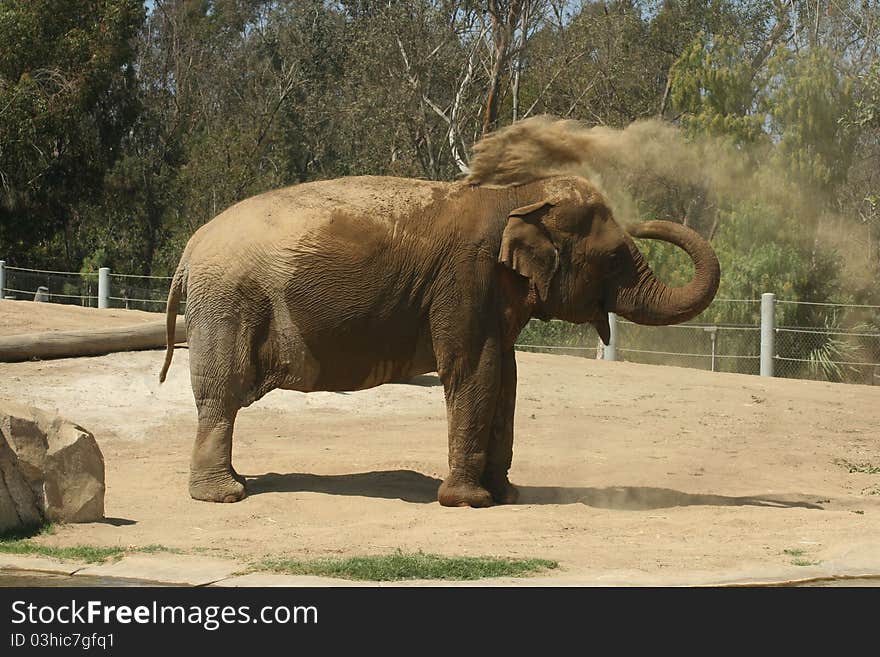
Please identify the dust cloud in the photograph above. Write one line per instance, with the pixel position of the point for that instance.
(631, 164)
(652, 168)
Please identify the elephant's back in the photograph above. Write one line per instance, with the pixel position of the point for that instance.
(273, 234)
(283, 215)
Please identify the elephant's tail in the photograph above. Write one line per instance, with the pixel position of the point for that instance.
(171, 316)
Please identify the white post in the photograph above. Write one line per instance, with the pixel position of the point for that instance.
(713, 336)
(768, 332)
(104, 287)
(2, 278)
(611, 347)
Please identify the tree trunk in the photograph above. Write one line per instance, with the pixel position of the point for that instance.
(67, 344)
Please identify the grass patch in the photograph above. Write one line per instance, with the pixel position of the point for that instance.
(152, 549)
(804, 562)
(400, 566)
(862, 468)
(19, 542)
(798, 560)
(89, 553)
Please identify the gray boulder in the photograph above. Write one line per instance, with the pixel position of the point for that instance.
(51, 469)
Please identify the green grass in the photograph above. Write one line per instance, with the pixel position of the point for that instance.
(400, 566)
(798, 561)
(19, 542)
(804, 562)
(383, 568)
(152, 549)
(89, 553)
(863, 468)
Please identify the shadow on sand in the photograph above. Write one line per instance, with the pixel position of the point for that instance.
(117, 522)
(411, 486)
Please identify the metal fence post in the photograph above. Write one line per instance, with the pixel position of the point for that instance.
(611, 347)
(768, 332)
(2, 278)
(713, 336)
(104, 287)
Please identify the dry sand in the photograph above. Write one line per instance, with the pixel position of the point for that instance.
(626, 471)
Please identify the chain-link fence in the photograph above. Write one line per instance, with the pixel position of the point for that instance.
(828, 342)
(730, 343)
(724, 338)
(825, 342)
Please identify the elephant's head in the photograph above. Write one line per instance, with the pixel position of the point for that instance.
(582, 264)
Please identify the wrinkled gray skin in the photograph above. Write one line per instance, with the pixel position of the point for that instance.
(351, 283)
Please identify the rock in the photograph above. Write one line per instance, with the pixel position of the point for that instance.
(48, 464)
(18, 503)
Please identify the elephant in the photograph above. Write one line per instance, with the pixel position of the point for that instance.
(346, 284)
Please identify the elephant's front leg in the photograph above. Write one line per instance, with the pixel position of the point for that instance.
(500, 450)
(471, 389)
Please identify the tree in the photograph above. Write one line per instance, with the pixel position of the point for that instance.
(66, 103)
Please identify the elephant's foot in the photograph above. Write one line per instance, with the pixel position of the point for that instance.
(503, 492)
(455, 492)
(222, 486)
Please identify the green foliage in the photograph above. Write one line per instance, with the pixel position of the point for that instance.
(865, 111)
(808, 103)
(761, 250)
(714, 84)
(558, 334)
(123, 130)
(66, 88)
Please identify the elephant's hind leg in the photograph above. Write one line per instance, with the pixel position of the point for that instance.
(219, 390)
(212, 477)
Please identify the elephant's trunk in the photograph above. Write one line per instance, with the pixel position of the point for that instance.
(642, 298)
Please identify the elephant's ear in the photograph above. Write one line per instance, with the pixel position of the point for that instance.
(526, 246)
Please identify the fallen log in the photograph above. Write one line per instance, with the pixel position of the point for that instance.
(96, 342)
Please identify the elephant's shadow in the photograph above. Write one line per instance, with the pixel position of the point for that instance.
(411, 486)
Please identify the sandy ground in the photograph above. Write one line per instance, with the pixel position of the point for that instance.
(27, 317)
(625, 470)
